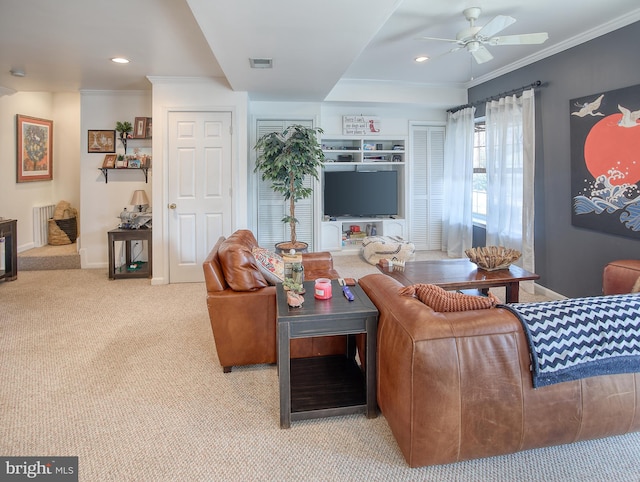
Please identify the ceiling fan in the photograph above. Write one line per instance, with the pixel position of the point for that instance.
(475, 38)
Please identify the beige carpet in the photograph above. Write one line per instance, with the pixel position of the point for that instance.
(125, 376)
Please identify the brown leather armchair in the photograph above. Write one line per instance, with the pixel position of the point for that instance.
(620, 276)
(242, 305)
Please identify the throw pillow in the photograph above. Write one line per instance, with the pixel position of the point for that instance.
(270, 264)
(441, 300)
(239, 266)
(636, 286)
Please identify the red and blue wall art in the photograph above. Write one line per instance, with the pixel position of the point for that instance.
(605, 161)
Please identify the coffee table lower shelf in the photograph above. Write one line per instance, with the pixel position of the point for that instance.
(326, 386)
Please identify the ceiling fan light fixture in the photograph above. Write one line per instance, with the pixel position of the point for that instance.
(474, 38)
(473, 46)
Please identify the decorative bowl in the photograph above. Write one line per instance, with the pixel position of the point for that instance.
(491, 258)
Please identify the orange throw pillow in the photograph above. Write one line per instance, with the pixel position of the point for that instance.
(441, 300)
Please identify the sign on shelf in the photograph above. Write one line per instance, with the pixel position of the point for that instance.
(359, 125)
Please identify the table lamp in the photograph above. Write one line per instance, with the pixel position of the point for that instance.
(139, 199)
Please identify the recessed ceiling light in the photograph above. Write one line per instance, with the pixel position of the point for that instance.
(261, 63)
(422, 58)
(17, 72)
(120, 60)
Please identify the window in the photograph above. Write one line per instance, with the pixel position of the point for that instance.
(479, 209)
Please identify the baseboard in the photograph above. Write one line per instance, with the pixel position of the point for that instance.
(546, 292)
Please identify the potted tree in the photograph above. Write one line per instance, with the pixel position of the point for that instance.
(286, 158)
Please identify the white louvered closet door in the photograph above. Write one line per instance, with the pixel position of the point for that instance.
(426, 188)
(271, 207)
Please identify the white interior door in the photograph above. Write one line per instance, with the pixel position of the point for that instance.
(199, 189)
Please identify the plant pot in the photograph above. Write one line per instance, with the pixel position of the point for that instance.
(285, 247)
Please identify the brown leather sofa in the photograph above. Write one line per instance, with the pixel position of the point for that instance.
(457, 386)
(242, 305)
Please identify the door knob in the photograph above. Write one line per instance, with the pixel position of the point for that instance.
(172, 206)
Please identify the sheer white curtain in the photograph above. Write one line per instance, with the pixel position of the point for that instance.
(510, 124)
(457, 227)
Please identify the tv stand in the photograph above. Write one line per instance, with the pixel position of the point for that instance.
(334, 237)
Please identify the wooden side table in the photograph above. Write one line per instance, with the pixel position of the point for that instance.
(325, 386)
(129, 236)
(8, 230)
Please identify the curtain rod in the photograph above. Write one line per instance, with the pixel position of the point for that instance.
(533, 85)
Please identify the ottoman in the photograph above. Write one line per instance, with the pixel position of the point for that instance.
(375, 248)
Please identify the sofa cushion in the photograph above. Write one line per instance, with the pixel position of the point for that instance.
(441, 300)
(240, 269)
(270, 264)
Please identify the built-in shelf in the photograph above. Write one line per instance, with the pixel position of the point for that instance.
(360, 150)
(338, 235)
(105, 171)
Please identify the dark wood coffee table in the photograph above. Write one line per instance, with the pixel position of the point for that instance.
(326, 385)
(462, 274)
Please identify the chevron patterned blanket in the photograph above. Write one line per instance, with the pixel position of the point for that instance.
(581, 337)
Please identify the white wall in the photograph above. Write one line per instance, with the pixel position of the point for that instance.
(78, 180)
(182, 94)
(101, 203)
(18, 199)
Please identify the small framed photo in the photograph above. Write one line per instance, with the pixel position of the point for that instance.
(109, 161)
(101, 141)
(121, 163)
(134, 164)
(140, 128)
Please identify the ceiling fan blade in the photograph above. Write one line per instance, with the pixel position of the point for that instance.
(522, 39)
(439, 39)
(481, 54)
(495, 25)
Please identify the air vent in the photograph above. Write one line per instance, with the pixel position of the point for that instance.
(261, 63)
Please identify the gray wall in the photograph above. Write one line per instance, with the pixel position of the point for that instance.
(569, 259)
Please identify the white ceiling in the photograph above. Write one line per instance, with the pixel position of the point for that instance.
(66, 45)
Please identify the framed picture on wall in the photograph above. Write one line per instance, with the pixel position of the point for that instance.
(101, 141)
(34, 159)
(605, 172)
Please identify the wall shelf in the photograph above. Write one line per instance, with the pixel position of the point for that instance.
(105, 171)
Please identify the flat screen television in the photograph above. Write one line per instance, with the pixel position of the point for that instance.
(360, 193)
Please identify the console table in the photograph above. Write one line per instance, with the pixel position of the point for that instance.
(8, 230)
(326, 385)
(129, 236)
